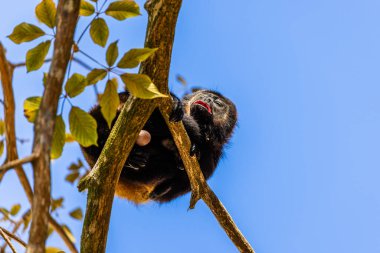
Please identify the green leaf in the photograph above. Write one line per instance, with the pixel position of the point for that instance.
(59, 136)
(86, 8)
(121, 10)
(1, 147)
(68, 233)
(133, 57)
(2, 127)
(75, 85)
(77, 214)
(76, 166)
(25, 32)
(35, 57)
(72, 177)
(140, 85)
(99, 32)
(44, 79)
(83, 127)
(26, 221)
(15, 209)
(46, 12)
(112, 54)
(31, 107)
(56, 203)
(109, 101)
(96, 75)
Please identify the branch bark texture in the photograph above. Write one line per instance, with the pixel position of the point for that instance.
(67, 15)
(103, 177)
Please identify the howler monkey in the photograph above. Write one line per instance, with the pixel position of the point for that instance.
(155, 171)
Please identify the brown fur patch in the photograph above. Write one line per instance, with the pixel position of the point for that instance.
(133, 191)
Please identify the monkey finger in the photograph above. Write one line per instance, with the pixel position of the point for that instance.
(144, 138)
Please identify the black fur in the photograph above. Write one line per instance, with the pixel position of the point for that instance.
(158, 162)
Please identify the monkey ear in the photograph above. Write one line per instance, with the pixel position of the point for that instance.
(195, 89)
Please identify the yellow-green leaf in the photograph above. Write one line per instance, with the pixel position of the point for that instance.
(109, 101)
(140, 85)
(46, 12)
(1, 147)
(44, 79)
(69, 234)
(133, 57)
(27, 217)
(56, 203)
(72, 177)
(83, 127)
(15, 209)
(112, 53)
(76, 166)
(35, 57)
(2, 127)
(59, 136)
(77, 214)
(86, 8)
(53, 250)
(75, 85)
(99, 32)
(31, 107)
(96, 75)
(121, 10)
(25, 32)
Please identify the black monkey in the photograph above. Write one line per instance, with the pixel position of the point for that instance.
(155, 171)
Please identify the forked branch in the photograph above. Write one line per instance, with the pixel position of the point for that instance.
(102, 179)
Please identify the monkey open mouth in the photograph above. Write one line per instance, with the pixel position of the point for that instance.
(204, 105)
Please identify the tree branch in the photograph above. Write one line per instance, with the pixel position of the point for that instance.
(3, 234)
(6, 73)
(14, 237)
(198, 182)
(67, 16)
(102, 179)
(15, 163)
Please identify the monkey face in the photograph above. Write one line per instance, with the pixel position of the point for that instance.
(210, 107)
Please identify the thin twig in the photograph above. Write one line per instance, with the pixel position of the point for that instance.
(93, 59)
(16, 227)
(82, 63)
(2, 233)
(22, 64)
(16, 163)
(14, 237)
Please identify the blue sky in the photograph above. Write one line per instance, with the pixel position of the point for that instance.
(302, 171)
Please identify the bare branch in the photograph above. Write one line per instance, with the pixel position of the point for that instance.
(2, 233)
(102, 179)
(14, 237)
(16, 163)
(6, 72)
(58, 228)
(67, 16)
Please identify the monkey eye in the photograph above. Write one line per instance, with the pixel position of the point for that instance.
(218, 103)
